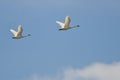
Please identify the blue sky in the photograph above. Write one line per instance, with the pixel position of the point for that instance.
(49, 53)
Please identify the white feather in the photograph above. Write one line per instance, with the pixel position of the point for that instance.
(14, 32)
(61, 24)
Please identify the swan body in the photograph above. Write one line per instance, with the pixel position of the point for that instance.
(66, 24)
(18, 35)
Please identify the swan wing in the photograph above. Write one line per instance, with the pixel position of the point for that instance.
(67, 22)
(14, 32)
(61, 24)
(20, 29)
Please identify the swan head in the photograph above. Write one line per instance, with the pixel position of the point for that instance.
(78, 25)
(28, 34)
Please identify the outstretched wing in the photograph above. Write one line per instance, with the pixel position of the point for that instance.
(20, 29)
(14, 32)
(61, 24)
(67, 21)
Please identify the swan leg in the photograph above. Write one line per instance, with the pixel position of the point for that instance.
(14, 38)
(60, 29)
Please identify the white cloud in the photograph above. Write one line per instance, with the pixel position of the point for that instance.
(97, 71)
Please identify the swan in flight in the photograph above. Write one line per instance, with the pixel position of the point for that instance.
(66, 24)
(18, 35)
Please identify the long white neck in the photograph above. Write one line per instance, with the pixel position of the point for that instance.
(26, 35)
(75, 26)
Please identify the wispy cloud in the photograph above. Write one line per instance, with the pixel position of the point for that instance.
(96, 71)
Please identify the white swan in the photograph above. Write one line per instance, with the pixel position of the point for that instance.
(18, 35)
(66, 24)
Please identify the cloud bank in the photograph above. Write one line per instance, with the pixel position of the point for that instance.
(96, 71)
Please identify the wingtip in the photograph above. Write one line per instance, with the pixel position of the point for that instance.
(20, 25)
(57, 21)
(68, 16)
(11, 29)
